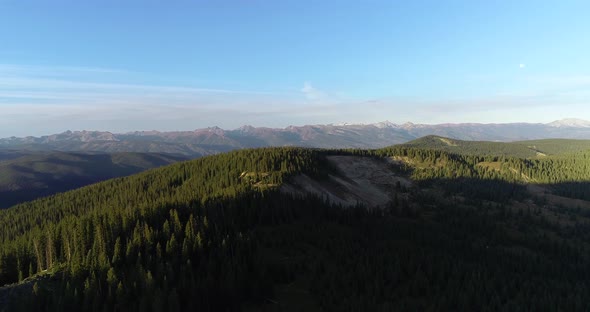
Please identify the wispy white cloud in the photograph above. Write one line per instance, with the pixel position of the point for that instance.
(317, 96)
(54, 70)
(42, 100)
(81, 86)
(38, 100)
(310, 92)
(69, 85)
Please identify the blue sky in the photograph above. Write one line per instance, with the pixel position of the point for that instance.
(181, 65)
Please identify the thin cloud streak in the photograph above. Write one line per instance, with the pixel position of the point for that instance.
(34, 103)
(37, 83)
(82, 86)
(55, 70)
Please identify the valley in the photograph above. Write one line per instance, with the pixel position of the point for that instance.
(27, 175)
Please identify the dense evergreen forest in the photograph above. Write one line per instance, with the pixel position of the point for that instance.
(218, 234)
(522, 149)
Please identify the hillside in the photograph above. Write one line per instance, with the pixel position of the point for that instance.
(557, 146)
(472, 147)
(523, 149)
(25, 176)
(289, 229)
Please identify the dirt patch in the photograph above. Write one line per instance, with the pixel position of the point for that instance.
(365, 180)
(447, 142)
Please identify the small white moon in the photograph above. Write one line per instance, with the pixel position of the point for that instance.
(521, 65)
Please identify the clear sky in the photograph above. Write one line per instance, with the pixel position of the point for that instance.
(181, 65)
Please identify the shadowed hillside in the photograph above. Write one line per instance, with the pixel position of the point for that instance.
(29, 175)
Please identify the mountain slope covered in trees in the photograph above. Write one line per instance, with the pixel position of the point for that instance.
(219, 233)
(522, 149)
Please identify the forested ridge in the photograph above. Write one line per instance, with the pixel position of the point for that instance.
(217, 234)
(521, 149)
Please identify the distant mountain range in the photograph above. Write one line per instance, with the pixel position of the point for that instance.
(214, 140)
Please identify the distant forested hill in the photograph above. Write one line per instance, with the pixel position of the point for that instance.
(26, 175)
(291, 229)
(523, 149)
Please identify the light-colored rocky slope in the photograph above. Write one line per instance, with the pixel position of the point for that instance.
(365, 180)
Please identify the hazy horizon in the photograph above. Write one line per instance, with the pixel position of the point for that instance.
(284, 127)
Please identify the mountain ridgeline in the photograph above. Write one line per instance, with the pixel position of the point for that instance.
(292, 229)
(26, 175)
(215, 140)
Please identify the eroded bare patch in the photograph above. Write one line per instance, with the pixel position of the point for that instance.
(364, 180)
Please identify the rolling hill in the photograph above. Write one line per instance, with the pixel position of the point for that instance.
(291, 229)
(523, 149)
(25, 176)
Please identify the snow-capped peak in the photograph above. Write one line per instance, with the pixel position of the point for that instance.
(570, 123)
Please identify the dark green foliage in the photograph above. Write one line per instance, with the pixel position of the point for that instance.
(479, 148)
(162, 226)
(557, 146)
(521, 149)
(216, 234)
(569, 174)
